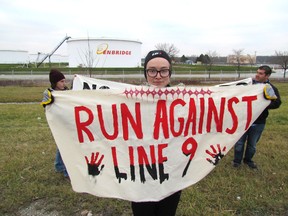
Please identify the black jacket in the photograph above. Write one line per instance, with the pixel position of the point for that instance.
(273, 105)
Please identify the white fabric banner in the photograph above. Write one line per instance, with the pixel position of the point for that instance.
(143, 143)
(247, 81)
(82, 82)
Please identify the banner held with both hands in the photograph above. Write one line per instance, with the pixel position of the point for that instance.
(142, 143)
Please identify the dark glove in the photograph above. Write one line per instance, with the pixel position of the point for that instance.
(47, 97)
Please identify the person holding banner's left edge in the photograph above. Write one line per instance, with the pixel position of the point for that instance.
(157, 71)
(58, 83)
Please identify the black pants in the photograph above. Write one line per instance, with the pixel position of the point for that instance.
(165, 207)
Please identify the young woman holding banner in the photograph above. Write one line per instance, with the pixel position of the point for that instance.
(157, 71)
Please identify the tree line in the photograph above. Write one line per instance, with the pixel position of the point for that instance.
(211, 58)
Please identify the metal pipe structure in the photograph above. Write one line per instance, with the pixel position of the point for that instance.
(54, 50)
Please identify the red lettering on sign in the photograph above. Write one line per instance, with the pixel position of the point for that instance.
(117, 52)
(161, 120)
(135, 124)
(82, 126)
(233, 115)
(191, 119)
(249, 100)
(180, 120)
(212, 111)
(146, 162)
(114, 119)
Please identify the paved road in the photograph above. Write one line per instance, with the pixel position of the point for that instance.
(277, 75)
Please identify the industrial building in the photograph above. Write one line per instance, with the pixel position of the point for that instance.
(23, 57)
(104, 52)
(85, 52)
(14, 57)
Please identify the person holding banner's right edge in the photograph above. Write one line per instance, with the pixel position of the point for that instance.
(157, 71)
(253, 134)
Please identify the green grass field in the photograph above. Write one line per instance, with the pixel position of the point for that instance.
(27, 152)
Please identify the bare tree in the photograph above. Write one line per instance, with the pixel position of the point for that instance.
(251, 59)
(212, 55)
(89, 58)
(170, 49)
(238, 54)
(282, 60)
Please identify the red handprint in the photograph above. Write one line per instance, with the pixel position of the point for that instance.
(93, 165)
(216, 154)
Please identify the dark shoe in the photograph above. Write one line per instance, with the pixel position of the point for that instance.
(251, 165)
(67, 178)
(236, 165)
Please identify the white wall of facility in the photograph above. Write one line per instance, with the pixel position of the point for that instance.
(14, 57)
(55, 58)
(104, 53)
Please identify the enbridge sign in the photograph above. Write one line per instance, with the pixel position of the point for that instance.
(142, 143)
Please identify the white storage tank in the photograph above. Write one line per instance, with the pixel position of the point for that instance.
(104, 52)
(14, 57)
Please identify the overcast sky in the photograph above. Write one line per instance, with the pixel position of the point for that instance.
(193, 26)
